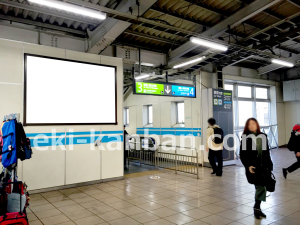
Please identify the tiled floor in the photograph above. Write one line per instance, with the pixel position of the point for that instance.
(172, 199)
(135, 167)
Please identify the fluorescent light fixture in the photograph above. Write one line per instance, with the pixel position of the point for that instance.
(71, 8)
(189, 62)
(283, 63)
(208, 44)
(145, 64)
(142, 76)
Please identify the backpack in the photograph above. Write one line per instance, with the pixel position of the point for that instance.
(9, 151)
(219, 132)
(294, 142)
(23, 143)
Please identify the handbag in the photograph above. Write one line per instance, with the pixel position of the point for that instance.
(271, 182)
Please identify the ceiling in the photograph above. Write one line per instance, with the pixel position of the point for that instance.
(255, 31)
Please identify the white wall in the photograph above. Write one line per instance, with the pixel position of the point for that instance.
(32, 36)
(60, 167)
(163, 114)
(163, 110)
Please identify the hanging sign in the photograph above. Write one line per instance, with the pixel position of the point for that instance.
(165, 89)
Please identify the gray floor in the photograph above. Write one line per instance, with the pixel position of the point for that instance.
(172, 199)
(136, 167)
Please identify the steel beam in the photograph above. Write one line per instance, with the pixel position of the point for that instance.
(151, 37)
(235, 19)
(272, 67)
(47, 11)
(109, 30)
(74, 32)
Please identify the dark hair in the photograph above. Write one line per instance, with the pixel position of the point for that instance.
(124, 126)
(211, 121)
(246, 129)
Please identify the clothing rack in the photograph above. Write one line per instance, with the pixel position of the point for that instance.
(12, 116)
(8, 117)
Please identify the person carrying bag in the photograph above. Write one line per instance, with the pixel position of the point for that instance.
(255, 156)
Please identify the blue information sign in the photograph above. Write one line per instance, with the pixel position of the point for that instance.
(184, 91)
(164, 89)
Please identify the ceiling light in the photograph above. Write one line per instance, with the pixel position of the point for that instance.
(71, 8)
(188, 62)
(208, 44)
(142, 76)
(283, 63)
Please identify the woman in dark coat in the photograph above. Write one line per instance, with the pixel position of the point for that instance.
(255, 156)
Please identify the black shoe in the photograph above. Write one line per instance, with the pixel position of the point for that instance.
(218, 174)
(257, 213)
(262, 214)
(213, 172)
(284, 171)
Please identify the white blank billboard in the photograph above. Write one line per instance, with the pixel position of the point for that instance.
(59, 91)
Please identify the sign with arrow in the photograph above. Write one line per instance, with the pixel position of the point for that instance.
(165, 89)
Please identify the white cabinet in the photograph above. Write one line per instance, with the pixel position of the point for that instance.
(289, 93)
(297, 89)
(291, 90)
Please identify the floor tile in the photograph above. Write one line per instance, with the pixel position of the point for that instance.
(36, 222)
(150, 206)
(70, 208)
(120, 205)
(112, 215)
(89, 220)
(101, 209)
(232, 215)
(164, 212)
(47, 213)
(197, 213)
(251, 220)
(196, 222)
(144, 217)
(213, 208)
(131, 210)
(159, 222)
(79, 214)
(40, 208)
(63, 203)
(179, 219)
(288, 221)
(31, 217)
(214, 219)
(123, 221)
(180, 207)
(93, 203)
(58, 198)
(55, 220)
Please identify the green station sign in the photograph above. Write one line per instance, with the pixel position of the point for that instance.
(164, 89)
(149, 88)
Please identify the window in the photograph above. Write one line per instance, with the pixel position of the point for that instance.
(244, 92)
(261, 93)
(262, 113)
(245, 112)
(180, 112)
(229, 87)
(150, 114)
(251, 101)
(126, 116)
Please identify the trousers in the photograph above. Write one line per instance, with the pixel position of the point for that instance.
(212, 156)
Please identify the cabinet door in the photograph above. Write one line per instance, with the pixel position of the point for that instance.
(289, 93)
(297, 89)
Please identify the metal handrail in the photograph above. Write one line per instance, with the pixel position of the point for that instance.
(184, 163)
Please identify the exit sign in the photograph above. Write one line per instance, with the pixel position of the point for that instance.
(165, 89)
